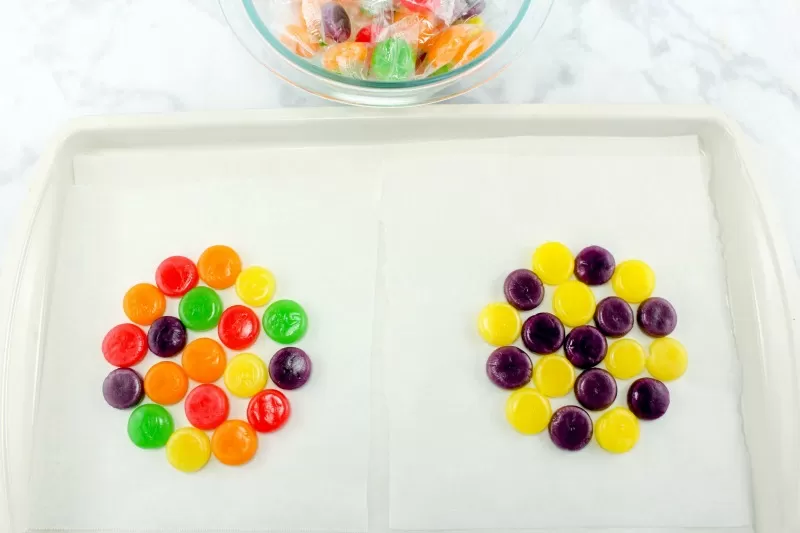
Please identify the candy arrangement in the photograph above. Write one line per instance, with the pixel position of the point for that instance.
(387, 40)
(584, 346)
(204, 360)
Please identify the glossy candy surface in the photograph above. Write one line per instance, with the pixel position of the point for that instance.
(553, 376)
(499, 324)
(613, 317)
(633, 281)
(206, 406)
(648, 398)
(268, 411)
(573, 303)
(219, 266)
(617, 430)
(285, 321)
(625, 359)
(166, 383)
(188, 450)
(255, 285)
(245, 375)
(528, 411)
(143, 303)
(570, 428)
(553, 263)
(204, 360)
(150, 426)
(123, 388)
(667, 359)
(585, 347)
(125, 345)
(176, 275)
(393, 60)
(166, 337)
(335, 23)
(509, 367)
(595, 389)
(543, 333)
(238, 327)
(200, 309)
(523, 290)
(234, 442)
(657, 317)
(594, 265)
(290, 368)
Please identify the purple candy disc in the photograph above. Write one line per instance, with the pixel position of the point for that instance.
(594, 265)
(123, 388)
(543, 333)
(571, 428)
(657, 317)
(509, 367)
(166, 337)
(585, 347)
(596, 389)
(290, 368)
(648, 398)
(523, 289)
(335, 23)
(613, 317)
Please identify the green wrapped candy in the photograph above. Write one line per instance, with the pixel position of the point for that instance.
(393, 60)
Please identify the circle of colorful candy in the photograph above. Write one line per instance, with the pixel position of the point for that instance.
(167, 336)
(613, 317)
(509, 367)
(176, 275)
(571, 428)
(585, 347)
(290, 368)
(123, 388)
(648, 398)
(125, 345)
(523, 289)
(150, 426)
(238, 327)
(203, 360)
(200, 309)
(206, 406)
(285, 321)
(268, 411)
(573, 302)
(401, 39)
(543, 333)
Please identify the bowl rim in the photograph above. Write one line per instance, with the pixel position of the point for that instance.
(337, 79)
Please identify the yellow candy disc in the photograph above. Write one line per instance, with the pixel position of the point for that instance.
(246, 375)
(188, 449)
(553, 376)
(633, 281)
(528, 411)
(625, 359)
(667, 360)
(573, 303)
(617, 431)
(553, 263)
(499, 324)
(255, 285)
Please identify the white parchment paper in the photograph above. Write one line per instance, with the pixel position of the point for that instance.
(453, 231)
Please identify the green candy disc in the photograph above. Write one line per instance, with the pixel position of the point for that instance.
(285, 321)
(200, 309)
(393, 60)
(150, 426)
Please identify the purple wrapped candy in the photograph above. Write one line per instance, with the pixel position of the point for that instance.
(472, 8)
(123, 388)
(594, 265)
(509, 367)
(571, 428)
(523, 289)
(167, 336)
(290, 368)
(585, 347)
(613, 317)
(595, 389)
(335, 23)
(657, 317)
(648, 398)
(543, 333)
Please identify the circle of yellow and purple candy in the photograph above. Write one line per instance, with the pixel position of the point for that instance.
(584, 347)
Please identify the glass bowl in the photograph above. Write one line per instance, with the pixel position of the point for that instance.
(254, 22)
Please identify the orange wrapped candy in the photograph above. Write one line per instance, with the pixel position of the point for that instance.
(349, 58)
(297, 39)
(478, 46)
(449, 46)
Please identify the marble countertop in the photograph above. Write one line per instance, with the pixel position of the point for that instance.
(65, 58)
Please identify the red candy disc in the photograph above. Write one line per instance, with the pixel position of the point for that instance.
(238, 327)
(125, 345)
(364, 35)
(206, 406)
(176, 275)
(268, 410)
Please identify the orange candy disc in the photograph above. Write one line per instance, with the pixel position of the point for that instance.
(204, 360)
(218, 266)
(143, 303)
(166, 383)
(234, 442)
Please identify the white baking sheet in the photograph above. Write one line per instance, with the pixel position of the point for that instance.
(453, 230)
(317, 235)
